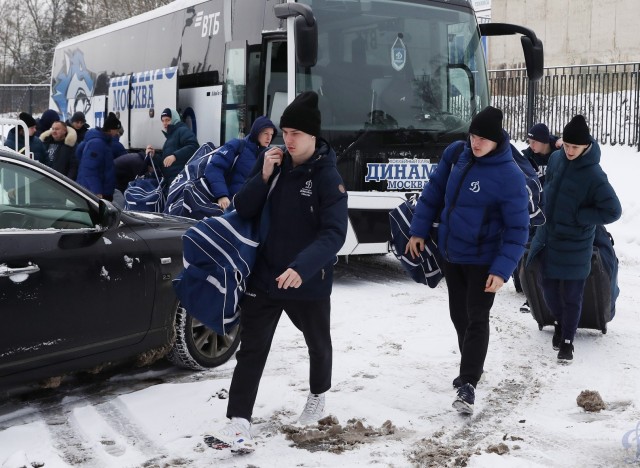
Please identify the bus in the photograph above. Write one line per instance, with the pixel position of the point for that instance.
(398, 80)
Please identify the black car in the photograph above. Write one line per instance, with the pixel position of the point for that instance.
(83, 283)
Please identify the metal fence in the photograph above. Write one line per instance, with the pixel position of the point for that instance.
(607, 95)
(31, 98)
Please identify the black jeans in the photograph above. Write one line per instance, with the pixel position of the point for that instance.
(259, 318)
(469, 308)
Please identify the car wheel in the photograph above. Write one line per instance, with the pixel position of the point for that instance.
(198, 347)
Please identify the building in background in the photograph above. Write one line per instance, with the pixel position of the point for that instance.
(574, 32)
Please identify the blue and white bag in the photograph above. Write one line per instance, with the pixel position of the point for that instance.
(218, 254)
(145, 193)
(426, 268)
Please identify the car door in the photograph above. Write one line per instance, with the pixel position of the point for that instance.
(68, 288)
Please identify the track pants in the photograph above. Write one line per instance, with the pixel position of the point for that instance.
(564, 300)
(258, 320)
(469, 308)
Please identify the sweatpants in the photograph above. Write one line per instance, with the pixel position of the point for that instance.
(469, 308)
(259, 316)
(564, 301)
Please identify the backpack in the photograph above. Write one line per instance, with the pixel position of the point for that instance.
(534, 187)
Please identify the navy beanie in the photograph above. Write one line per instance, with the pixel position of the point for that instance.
(539, 132)
(576, 132)
(166, 113)
(260, 124)
(488, 124)
(303, 114)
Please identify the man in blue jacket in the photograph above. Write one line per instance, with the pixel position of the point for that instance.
(305, 222)
(18, 144)
(578, 196)
(484, 225)
(96, 171)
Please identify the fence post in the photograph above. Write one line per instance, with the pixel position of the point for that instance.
(30, 99)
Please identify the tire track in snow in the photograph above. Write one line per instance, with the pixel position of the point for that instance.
(67, 439)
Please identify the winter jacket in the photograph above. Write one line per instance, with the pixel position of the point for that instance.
(306, 221)
(81, 132)
(225, 174)
(482, 203)
(182, 143)
(96, 171)
(538, 160)
(578, 196)
(60, 155)
(35, 145)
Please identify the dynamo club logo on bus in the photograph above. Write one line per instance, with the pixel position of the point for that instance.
(73, 85)
(401, 174)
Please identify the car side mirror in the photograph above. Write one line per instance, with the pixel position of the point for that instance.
(109, 215)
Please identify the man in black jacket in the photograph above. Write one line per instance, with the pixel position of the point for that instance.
(304, 219)
(60, 144)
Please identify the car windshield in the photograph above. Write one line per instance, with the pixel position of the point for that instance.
(389, 64)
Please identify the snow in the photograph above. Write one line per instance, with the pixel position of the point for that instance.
(395, 355)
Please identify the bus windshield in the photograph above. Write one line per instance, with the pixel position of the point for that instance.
(388, 65)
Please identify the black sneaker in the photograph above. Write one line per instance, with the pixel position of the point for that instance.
(457, 382)
(465, 399)
(565, 355)
(524, 308)
(557, 336)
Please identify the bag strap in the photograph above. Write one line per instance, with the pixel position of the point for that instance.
(155, 172)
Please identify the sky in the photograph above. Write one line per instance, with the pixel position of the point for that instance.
(395, 355)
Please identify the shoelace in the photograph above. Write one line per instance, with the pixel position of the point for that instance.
(312, 404)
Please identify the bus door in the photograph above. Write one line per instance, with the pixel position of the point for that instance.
(201, 108)
(234, 99)
(138, 100)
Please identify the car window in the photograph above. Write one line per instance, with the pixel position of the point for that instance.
(32, 200)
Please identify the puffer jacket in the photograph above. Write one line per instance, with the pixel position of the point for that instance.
(482, 204)
(96, 171)
(225, 174)
(182, 143)
(306, 221)
(62, 157)
(35, 145)
(578, 196)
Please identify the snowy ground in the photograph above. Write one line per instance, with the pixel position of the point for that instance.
(395, 356)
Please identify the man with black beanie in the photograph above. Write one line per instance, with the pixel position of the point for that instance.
(300, 200)
(480, 195)
(578, 196)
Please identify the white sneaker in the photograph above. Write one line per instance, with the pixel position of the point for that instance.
(313, 410)
(236, 435)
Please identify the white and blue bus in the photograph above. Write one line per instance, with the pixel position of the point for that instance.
(398, 81)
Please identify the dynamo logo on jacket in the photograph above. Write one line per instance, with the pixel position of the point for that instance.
(475, 186)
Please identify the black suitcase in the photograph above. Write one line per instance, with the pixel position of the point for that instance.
(597, 307)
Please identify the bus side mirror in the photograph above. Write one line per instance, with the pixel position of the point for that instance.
(531, 45)
(305, 30)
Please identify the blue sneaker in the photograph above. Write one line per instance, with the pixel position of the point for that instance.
(465, 399)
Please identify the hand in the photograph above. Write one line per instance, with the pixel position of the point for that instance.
(272, 158)
(169, 160)
(289, 279)
(150, 151)
(224, 202)
(414, 246)
(493, 284)
(559, 143)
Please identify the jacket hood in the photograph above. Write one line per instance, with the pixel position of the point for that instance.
(46, 120)
(260, 124)
(69, 140)
(173, 126)
(95, 133)
(501, 154)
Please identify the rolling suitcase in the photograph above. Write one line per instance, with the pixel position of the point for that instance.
(600, 293)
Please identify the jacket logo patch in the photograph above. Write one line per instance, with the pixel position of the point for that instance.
(475, 186)
(306, 190)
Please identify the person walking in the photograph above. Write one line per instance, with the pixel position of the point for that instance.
(180, 145)
(96, 171)
(304, 216)
(578, 196)
(484, 224)
(233, 161)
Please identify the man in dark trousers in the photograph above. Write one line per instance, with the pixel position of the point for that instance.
(577, 197)
(304, 218)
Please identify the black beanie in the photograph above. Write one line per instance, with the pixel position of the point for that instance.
(78, 117)
(166, 113)
(27, 119)
(303, 114)
(111, 123)
(488, 124)
(576, 132)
